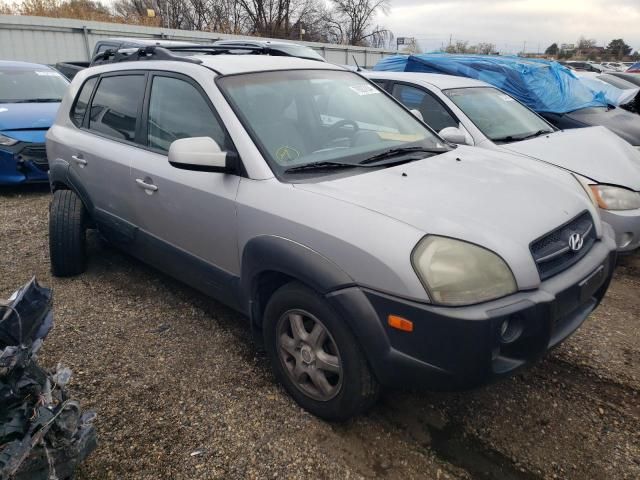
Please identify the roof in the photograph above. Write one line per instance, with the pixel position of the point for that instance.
(441, 81)
(226, 64)
(16, 64)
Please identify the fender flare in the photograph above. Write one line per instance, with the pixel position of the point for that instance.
(270, 253)
(60, 173)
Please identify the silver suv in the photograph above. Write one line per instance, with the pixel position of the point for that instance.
(363, 248)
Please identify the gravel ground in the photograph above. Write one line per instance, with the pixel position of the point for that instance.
(182, 394)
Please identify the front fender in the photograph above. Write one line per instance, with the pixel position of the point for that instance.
(270, 253)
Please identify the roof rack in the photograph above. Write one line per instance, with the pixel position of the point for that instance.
(154, 52)
(151, 52)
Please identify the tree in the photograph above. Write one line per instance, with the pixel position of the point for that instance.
(357, 16)
(618, 48)
(586, 43)
(460, 46)
(485, 48)
(552, 49)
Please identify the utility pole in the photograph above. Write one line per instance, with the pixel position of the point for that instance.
(450, 36)
(524, 48)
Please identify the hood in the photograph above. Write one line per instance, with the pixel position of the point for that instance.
(617, 120)
(593, 152)
(16, 118)
(486, 197)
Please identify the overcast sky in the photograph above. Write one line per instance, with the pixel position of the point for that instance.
(510, 23)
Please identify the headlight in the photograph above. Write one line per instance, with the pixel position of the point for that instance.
(584, 183)
(460, 273)
(7, 141)
(616, 198)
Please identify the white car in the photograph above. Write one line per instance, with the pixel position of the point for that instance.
(471, 112)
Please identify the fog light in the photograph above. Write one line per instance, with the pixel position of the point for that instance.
(510, 330)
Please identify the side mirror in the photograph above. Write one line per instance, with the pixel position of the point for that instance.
(198, 153)
(417, 114)
(453, 135)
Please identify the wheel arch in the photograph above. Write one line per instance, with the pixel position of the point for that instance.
(269, 262)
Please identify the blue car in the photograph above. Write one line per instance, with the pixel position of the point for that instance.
(30, 95)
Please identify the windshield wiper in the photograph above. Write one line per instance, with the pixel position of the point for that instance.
(36, 100)
(394, 152)
(525, 136)
(535, 134)
(324, 165)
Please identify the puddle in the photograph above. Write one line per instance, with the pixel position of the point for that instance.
(467, 452)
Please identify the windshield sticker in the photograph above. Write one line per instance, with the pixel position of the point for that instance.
(286, 154)
(506, 98)
(364, 89)
(45, 73)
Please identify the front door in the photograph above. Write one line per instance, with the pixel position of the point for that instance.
(187, 219)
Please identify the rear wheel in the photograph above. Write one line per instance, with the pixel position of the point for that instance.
(67, 234)
(315, 355)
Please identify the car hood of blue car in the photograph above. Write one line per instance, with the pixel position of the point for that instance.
(27, 122)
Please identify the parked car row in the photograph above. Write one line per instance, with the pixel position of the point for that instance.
(411, 230)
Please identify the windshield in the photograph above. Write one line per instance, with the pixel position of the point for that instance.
(304, 117)
(18, 84)
(497, 115)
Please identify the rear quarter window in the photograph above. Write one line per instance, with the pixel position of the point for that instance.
(82, 101)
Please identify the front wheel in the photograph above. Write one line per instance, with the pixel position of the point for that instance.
(315, 356)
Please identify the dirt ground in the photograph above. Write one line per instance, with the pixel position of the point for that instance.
(181, 393)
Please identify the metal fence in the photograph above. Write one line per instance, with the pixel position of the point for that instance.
(51, 40)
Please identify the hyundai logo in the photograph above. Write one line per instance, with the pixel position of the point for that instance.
(575, 242)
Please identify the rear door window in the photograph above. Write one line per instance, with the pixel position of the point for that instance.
(82, 101)
(115, 106)
(433, 112)
(178, 110)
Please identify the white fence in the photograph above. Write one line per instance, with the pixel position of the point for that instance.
(51, 40)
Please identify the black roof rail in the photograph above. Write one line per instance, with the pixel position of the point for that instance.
(151, 52)
(154, 52)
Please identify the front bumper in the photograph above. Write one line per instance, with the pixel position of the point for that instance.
(626, 225)
(454, 348)
(23, 163)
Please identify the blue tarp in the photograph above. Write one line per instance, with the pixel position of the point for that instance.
(541, 85)
(613, 95)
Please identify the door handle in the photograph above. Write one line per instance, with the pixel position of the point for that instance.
(79, 160)
(149, 187)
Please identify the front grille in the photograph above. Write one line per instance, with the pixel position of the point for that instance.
(36, 154)
(553, 253)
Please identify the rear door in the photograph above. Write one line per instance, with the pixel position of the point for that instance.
(187, 218)
(100, 153)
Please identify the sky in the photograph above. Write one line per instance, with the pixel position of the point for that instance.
(510, 23)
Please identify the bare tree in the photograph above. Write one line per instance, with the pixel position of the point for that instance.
(461, 46)
(486, 48)
(357, 17)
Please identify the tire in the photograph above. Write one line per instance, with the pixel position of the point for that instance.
(342, 394)
(67, 234)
